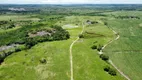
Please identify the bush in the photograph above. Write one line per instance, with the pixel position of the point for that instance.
(67, 35)
(42, 60)
(81, 36)
(94, 47)
(4, 55)
(110, 71)
(11, 26)
(104, 57)
(107, 68)
(9, 53)
(20, 42)
(105, 23)
(94, 22)
(30, 42)
(17, 49)
(99, 48)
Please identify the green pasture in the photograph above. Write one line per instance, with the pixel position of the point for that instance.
(126, 51)
(26, 65)
(18, 18)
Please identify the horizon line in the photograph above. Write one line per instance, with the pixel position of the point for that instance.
(65, 3)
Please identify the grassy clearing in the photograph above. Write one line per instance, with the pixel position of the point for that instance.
(68, 26)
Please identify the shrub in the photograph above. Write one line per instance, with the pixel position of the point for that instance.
(104, 57)
(30, 42)
(105, 23)
(99, 48)
(81, 36)
(9, 53)
(20, 42)
(11, 26)
(4, 55)
(106, 68)
(42, 60)
(67, 35)
(17, 49)
(94, 22)
(88, 21)
(110, 71)
(94, 47)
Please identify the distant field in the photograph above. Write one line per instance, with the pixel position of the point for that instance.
(17, 17)
(126, 13)
(17, 20)
(126, 52)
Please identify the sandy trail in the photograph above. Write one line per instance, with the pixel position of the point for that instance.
(119, 70)
(101, 52)
(71, 57)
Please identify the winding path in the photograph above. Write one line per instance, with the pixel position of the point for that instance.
(101, 52)
(71, 57)
(119, 70)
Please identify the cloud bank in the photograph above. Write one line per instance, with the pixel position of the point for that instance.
(71, 1)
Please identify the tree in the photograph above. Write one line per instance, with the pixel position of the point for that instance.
(105, 23)
(81, 36)
(94, 22)
(17, 49)
(104, 57)
(99, 48)
(112, 72)
(11, 26)
(30, 42)
(94, 47)
(67, 35)
(106, 68)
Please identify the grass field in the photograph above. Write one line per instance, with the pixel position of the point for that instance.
(18, 18)
(126, 52)
(41, 42)
(87, 64)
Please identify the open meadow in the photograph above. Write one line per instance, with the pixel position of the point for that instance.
(126, 52)
(71, 42)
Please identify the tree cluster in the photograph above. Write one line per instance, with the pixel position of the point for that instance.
(104, 57)
(110, 71)
(59, 34)
(99, 47)
(127, 17)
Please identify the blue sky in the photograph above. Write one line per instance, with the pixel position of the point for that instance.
(70, 1)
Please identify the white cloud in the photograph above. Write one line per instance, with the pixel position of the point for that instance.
(67, 1)
(90, 1)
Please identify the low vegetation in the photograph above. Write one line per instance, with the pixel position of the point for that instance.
(43, 34)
